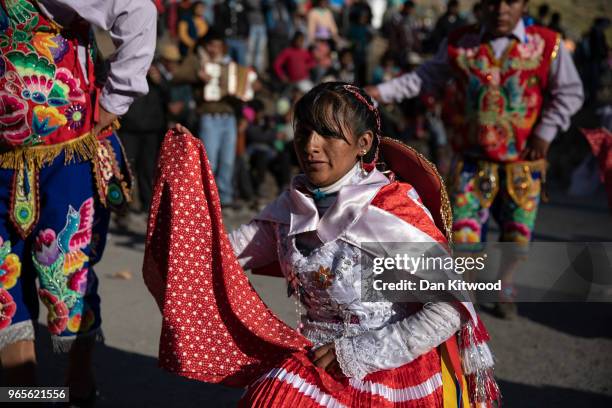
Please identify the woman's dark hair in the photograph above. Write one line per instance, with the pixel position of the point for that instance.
(338, 110)
(195, 5)
(298, 35)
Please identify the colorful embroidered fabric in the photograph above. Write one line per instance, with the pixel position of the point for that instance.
(510, 193)
(63, 243)
(45, 97)
(494, 103)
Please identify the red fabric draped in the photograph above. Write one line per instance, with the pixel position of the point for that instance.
(216, 328)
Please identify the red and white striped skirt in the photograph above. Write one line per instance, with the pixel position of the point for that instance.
(296, 383)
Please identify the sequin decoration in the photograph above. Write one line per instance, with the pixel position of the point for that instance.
(324, 277)
(24, 202)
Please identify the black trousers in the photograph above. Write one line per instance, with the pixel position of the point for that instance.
(141, 149)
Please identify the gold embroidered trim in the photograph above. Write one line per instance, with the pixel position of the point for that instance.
(520, 183)
(446, 211)
(80, 149)
(555, 50)
(486, 183)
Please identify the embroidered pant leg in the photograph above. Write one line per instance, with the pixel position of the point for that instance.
(517, 220)
(18, 301)
(62, 247)
(470, 217)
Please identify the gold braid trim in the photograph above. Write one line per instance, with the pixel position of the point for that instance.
(446, 211)
(80, 149)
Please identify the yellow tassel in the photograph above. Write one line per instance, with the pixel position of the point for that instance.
(80, 149)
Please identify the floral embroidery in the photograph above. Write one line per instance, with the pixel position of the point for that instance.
(13, 118)
(80, 321)
(76, 116)
(21, 10)
(8, 308)
(42, 83)
(46, 120)
(22, 20)
(78, 281)
(10, 266)
(57, 319)
(43, 43)
(69, 85)
(531, 52)
(36, 74)
(60, 48)
(500, 97)
(46, 247)
(466, 231)
(59, 259)
(30, 47)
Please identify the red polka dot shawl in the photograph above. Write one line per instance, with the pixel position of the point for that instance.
(216, 328)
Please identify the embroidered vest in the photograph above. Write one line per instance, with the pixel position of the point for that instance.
(494, 103)
(45, 97)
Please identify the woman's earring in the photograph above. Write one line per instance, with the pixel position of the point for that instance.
(363, 170)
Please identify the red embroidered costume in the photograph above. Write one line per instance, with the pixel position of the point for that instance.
(217, 329)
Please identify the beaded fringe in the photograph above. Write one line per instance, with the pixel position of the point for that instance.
(80, 149)
(16, 332)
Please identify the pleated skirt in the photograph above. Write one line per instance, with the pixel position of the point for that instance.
(297, 383)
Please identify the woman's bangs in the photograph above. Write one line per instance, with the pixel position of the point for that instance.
(324, 114)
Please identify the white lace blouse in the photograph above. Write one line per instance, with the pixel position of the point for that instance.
(368, 336)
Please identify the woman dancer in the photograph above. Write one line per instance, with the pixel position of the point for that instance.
(360, 353)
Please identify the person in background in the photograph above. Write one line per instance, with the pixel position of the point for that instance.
(142, 130)
(543, 11)
(447, 23)
(257, 43)
(294, 63)
(321, 23)
(181, 105)
(325, 61)
(217, 115)
(192, 27)
(280, 27)
(262, 149)
(476, 16)
(360, 34)
(501, 147)
(386, 70)
(346, 71)
(231, 19)
(401, 31)
(555, 23)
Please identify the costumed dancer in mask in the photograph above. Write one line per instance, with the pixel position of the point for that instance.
(510, 89)
(360, 353)
(61, 169)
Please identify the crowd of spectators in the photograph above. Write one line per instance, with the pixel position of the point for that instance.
(291, 45)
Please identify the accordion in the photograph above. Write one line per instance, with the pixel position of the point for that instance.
(228, 80)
